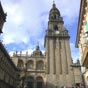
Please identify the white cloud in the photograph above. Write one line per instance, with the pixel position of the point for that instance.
(27, 20)
(75, 52)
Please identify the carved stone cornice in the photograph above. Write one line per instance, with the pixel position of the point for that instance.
(83, 4)
(60, 37)
(85, 56)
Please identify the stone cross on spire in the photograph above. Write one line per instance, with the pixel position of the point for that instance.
(53, 2)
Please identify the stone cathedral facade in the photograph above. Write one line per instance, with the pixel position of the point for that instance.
(55, 68)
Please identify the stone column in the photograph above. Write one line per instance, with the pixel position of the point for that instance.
(54, 57)
(47, 56)
(51, 51)
(58, 58)
(63, 57)
(69, 61)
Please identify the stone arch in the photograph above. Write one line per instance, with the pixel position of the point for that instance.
(39, 82)
(55, 27)
(40, 65)
(20, 64)
(30, 82)
(30, 64)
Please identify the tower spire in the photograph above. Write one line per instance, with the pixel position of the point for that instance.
(54, 4)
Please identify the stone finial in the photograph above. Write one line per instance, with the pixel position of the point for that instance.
(16, 53)
(26, 53)
(20, 53)
(13, 53)
(78, 62)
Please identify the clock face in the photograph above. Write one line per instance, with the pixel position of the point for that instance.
(57, 32)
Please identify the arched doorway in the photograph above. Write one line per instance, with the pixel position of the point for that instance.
(30, 82)
(39, 82)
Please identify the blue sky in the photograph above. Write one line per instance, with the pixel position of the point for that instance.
(27, 21)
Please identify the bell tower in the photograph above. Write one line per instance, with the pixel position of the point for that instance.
(55, 19)
(58, 55)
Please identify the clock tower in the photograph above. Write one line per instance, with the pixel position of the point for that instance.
(58, 54)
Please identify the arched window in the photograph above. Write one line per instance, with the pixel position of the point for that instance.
(55, 27)
(40, 65)
(40, 83)
(30, 82)
(30, 64)
(20, 64)
(54, 16)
